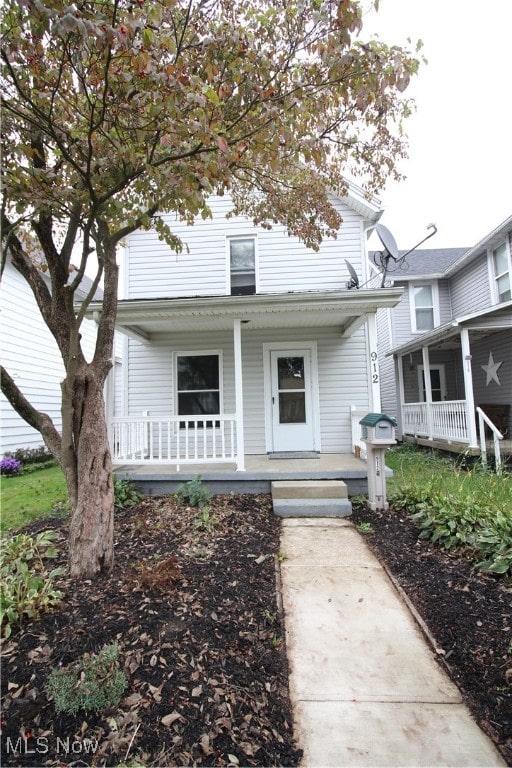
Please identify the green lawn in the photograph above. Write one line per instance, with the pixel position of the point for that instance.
(27, 497)
(422, 469)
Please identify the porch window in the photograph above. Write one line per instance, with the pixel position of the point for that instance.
(423, 308)
(198, 385)
(242, 265)
(502, 272)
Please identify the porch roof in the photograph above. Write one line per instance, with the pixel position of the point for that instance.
(483, 323)
(345, 309)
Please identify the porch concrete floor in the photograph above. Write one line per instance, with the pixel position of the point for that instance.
(326, 462)
(259, 472)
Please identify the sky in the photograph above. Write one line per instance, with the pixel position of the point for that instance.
(459, 169)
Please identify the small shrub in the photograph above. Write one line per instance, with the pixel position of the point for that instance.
(364, 527)
(126, 494)
(10, 466)
(162, 576)
(93, 683)
(26, 590)
(194, 493)
(39, 455)
(204, 520)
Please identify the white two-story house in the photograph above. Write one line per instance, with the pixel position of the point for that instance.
(247, 346)
(446, 349)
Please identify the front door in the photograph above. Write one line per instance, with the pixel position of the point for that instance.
(291, 392)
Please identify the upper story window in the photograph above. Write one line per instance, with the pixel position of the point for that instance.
(198, 379)
(424, 307)
(502, 272)
(242, 265)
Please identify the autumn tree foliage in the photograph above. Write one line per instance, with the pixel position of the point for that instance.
(116, 110)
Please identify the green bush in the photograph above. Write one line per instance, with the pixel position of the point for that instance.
(26, 590)
(194, 493)
(39, 455)
(93, 683)
(204, 520)
(126, 494)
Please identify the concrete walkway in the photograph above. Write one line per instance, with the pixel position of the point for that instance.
(365, 687)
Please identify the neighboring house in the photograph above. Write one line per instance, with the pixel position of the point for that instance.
(446, 349)
(31, 356)
(247, 344)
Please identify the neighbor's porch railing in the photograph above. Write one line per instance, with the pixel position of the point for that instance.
(446, 420)
(483, 419)
(175, 440)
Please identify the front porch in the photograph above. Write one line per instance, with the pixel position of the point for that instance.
(260, 472)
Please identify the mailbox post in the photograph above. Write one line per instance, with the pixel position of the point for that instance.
(378, 432)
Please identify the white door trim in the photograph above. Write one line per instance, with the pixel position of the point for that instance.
(442, 379)
(288, 346)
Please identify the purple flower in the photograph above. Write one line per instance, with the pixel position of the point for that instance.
(9, 466)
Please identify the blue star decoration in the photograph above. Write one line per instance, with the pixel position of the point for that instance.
(491, 370)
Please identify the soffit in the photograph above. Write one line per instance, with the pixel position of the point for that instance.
(294, 310)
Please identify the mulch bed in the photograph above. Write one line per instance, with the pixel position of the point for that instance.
(196, 617)
(468, 615)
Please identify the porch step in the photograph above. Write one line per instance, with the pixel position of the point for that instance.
(310, 498)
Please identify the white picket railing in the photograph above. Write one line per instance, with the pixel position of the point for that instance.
(174, 440)
(446, 420)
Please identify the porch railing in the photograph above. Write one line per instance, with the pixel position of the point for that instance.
(446, 420)
(483, 419)
(174, 440)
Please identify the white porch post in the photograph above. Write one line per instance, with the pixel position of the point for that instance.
(428, 390)
(401, 391)
(109, 394)
(239, 396)
(373, 364)
(468, 387)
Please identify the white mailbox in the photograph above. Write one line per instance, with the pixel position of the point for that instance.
(378, 432)
(378, 428)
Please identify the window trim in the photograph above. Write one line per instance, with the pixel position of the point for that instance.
(241, 236)
(197, 353)
(492, 269)
(435, 304)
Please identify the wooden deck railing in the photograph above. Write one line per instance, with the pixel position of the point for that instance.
(174, 440)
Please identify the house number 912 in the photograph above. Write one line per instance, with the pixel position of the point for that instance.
(375, 373)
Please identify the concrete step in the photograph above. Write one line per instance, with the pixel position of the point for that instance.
(310, 498)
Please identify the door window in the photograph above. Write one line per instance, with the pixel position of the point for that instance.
(291, 385)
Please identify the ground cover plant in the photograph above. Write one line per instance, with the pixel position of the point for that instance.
(463, 508)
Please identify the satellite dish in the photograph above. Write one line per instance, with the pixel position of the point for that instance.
(388, 241)
(354, 280)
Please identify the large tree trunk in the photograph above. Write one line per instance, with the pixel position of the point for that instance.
(91, 534)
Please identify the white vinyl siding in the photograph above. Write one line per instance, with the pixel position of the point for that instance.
(469, 288)
(342, 369)
(31, 356)
(153, 270)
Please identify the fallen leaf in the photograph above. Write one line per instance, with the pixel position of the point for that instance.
(171, 718)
